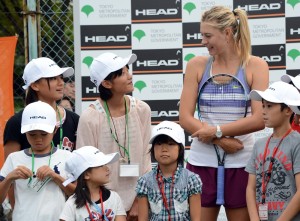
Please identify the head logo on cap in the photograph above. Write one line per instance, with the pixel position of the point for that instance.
(170, 129)
(43, 68)
(38, 116)
(279, 92)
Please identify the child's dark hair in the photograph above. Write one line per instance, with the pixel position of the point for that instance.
(106, 94)
(31, 95)
(82, 193)
(165, 139)
(282, 107)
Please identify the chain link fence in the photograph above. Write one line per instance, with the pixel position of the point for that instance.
(55, 37)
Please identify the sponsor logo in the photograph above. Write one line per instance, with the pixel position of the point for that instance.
(37, 117)
(171, 113)
(293, 3)
(258, 8)
(189, 7)
(140, 85)
(139, 34)
(87, 9)
(273, 54)
(87, 61)
(191, 34)
(103, 36)
(158, 61)
(292, 29)
(294, 54)
(155, 11)
(151, 12)
(189, 57)
(120, 38)
(89, 89)
(164, 110)
(273, 58)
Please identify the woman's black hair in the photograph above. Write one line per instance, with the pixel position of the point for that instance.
(166, 139)
(82, 193)
(31, 95)
(106, 94)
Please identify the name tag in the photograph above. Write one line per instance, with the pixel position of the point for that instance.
(37, 184)
(263, 211)
(129, 170)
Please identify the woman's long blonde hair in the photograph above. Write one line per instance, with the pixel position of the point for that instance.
(221, 17)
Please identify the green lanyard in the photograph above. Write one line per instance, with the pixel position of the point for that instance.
(60, 129)
(115, 135)
(32, 163)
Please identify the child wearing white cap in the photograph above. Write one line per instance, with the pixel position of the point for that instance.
(169, 191)
(44, 81)
(91, 200)
(273, 190)
(37, 173)
(295, 81)
(117, 122)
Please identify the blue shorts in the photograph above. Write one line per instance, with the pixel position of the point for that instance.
(236, 180)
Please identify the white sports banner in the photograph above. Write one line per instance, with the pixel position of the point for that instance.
(165, 36)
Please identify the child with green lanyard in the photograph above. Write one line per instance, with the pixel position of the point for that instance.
(117, 122)
(44, 81)
(37, 173)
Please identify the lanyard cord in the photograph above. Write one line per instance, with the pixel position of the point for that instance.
(161, 185)
(265, 180)
(115, 135)
(32, 162)
(60, 128)
(101, 211)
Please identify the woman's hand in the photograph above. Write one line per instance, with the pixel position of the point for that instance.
(206, 133)
(229, 144)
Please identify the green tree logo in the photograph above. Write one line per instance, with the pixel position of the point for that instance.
(293, 3)
(294, 53)
(87, 9)
(189, 7)
(189, 57)
(139, 34)
(140, 85)
(88, 61)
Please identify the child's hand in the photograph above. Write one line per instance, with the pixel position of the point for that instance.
(45, 171)
(21, 172)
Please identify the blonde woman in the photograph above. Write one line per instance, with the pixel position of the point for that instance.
(226, 36)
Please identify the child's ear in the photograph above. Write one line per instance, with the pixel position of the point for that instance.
(55, 129)
(106, 84)
(34, 86)
(86, 175)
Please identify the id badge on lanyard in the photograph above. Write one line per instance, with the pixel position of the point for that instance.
(129, 170)
(263, 211)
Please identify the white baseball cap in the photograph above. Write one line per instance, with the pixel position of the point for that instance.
(279, 92)
(170, 129)
(288, 79)
(43, 68)
(84, 158)
(38, 116)
(107, 63)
